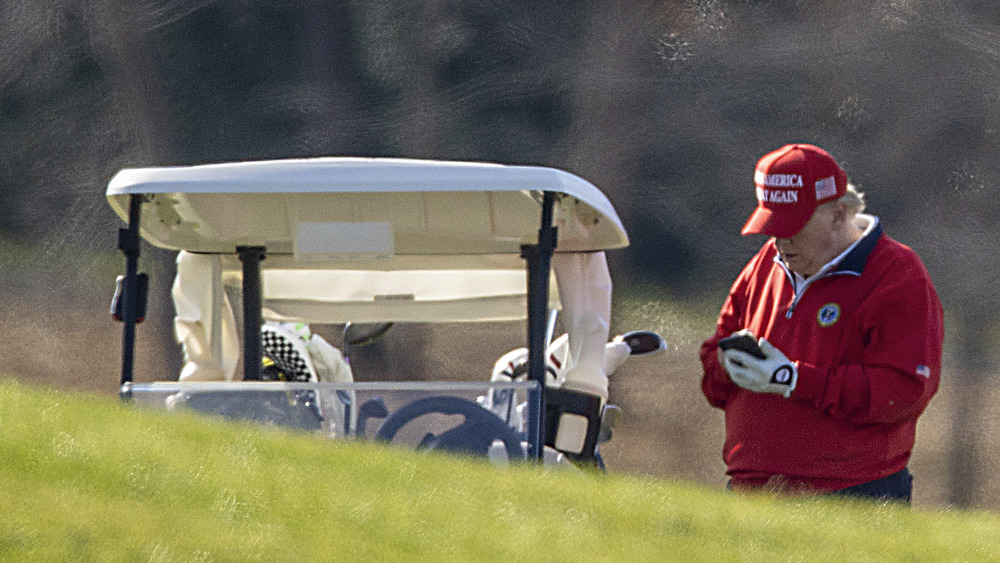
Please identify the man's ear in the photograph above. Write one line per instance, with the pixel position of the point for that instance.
(839, 213)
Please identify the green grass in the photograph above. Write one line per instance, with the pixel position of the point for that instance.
(90, 479)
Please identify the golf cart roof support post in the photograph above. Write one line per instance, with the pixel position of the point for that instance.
(128, 243)
(251, 257)
(539, 261)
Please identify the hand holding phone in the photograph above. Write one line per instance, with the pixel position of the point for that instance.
(762, 372)
(743, 340)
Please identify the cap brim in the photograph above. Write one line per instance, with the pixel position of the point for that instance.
(763, 221)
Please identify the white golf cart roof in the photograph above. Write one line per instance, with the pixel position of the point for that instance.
(338, 210)
(371, 239)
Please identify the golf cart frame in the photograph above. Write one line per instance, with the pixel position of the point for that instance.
(337, 214)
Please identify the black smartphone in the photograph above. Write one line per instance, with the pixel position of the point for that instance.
(742, 341)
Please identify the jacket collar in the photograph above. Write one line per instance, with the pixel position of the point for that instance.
(854, 261)
(851, 261)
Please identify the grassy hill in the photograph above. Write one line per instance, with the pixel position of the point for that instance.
(90, 479)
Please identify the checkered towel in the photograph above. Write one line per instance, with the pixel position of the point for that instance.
(289, 352)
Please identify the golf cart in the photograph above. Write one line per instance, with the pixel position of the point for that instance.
(366, 243)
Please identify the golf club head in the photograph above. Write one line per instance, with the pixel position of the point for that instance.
(643, 342)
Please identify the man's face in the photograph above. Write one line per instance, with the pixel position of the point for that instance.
(815, 245)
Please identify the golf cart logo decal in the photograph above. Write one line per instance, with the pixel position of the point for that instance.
(828, 314)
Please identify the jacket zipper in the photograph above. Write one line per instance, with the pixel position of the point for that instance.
(797, 292)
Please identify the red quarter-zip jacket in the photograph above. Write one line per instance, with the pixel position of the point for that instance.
(867, 340)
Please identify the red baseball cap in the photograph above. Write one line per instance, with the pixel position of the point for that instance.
(791, 182)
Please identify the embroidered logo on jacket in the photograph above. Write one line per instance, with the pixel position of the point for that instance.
(828, 314)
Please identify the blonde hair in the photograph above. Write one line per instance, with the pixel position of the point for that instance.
(853, 199)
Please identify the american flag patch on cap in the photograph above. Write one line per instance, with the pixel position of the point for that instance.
(923, 371)
(827, 187)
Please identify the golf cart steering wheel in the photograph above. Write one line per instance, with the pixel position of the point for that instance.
(474, 435)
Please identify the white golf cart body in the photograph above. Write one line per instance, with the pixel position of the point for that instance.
(363, 240)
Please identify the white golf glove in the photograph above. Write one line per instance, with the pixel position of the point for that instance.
(774, 373)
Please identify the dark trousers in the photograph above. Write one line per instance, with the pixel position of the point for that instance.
(897, 487)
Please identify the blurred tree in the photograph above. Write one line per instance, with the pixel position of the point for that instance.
(138, 97)
(330, 78)
(480, 81)
(610, 113)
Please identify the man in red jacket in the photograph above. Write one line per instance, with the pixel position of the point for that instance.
(848, 330)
